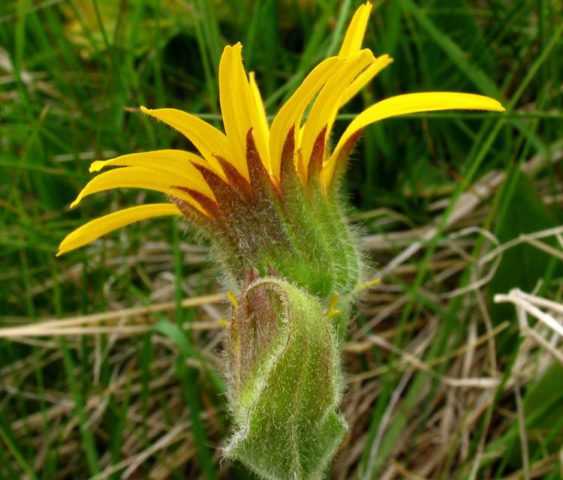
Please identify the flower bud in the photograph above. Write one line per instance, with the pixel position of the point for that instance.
(285, 382)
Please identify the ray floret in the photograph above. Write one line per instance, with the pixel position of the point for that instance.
(94, 229)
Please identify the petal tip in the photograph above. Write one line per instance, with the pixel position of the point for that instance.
(495, 105)
(63, 247)
(96, 166)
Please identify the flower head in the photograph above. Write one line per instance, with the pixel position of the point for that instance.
(266, 193)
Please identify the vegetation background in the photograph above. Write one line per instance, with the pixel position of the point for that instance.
(442, 382)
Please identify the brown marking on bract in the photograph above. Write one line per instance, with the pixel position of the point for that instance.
(215, 224)
(260, 179)
(209, 205)
(235, 179)
(227, 196)
(236, 211)
(267, 197)
(287, 164)
(315, 164)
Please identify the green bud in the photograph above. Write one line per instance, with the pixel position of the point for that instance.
(285, 382)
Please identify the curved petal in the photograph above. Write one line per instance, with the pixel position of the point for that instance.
(209, 141)
(356, 31)
(173, 162)
(233, 101)
(260, 124)
(326, 105)
(407, 104)
(242, 109)
(99, 227)
(134, 177)
(234, 97)
(289, 115)
(364, 78)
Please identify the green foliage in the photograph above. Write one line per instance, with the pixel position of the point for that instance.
(540, 421)
(523, 213)
(543, 401)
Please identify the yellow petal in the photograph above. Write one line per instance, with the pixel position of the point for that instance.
(173, 162)
(206, 139)
(364, 78)
(232, 120)
(99, 227)
(325, 108)
(134, 177)
(407, 104)
(356, 31)
(235, 98)
(260, 124)
(289, 115)
(242, 109)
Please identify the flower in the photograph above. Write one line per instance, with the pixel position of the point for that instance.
(254, 163)
(268, 198)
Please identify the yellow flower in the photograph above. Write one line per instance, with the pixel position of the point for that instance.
(295, 142)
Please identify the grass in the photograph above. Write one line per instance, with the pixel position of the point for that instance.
(443, 383)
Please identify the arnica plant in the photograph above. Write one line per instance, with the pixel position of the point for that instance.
(268, 197)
